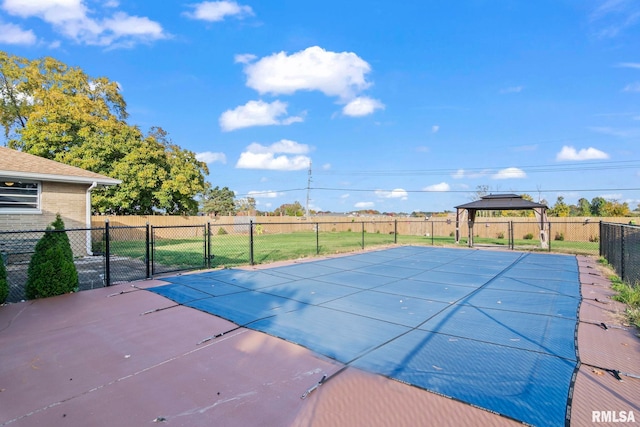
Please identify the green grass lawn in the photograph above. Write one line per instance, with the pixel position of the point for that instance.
(233, 250)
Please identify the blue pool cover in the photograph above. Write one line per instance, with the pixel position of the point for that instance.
(493, 329)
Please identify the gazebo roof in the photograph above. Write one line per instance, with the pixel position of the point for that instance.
(498, 202)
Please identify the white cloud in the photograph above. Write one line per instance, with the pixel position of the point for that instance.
(435, 128)
(13, 34)
(461, 173)
(443, 186)
(274, 157)
(345, 196)
(334, 74)
(257, 113)
(362, 106)
(635, 65)
(215, 11)
(397, 193)
(283, 146)
(571, 154)
(266, 194)
(364, 205)
(612, 17)
(210, 157)
(72, 19)
(326, 166)
(511, 89)
(632, 87)
(509, 173)
(244, 58)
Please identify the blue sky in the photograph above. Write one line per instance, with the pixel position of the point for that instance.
(397, 106)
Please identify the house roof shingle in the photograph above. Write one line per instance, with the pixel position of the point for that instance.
(16, 164)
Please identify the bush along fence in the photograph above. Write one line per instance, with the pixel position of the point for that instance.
(114, 253)
(620, 246)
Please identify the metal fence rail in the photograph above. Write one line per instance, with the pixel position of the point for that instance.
(17, 248)
(114, 254)
(620, 246)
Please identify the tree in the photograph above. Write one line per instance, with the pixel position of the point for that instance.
(560, 209)
(219, 201)
(615, 208)
(584, 207)
(598, 205)
(290, 209)
(481, 191)
(60, 113)
(245, 204)
(51, 269)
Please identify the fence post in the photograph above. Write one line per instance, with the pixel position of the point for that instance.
(510, 235)
(395, 231)
(317, 238)
(432, 228)
(600, 239)
(107, 250)
(208, 243)
(251, 242)
(549, 238)
(622, 254)
(362, 234)
(152, 243)
(147, 252)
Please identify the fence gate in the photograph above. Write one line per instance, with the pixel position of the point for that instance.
(177, 248)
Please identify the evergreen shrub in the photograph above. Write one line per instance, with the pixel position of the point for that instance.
(4, 284)
(51, 269)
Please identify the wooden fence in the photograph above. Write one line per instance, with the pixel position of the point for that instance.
(578, 229)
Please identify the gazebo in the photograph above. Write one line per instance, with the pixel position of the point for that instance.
(501, 202)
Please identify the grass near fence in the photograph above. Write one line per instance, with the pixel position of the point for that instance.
(233, 250)
(627, 293)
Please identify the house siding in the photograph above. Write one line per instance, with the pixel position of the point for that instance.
(68, 200)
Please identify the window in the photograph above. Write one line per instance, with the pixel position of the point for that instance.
(19, 197)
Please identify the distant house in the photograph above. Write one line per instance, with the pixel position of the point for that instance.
(34, 189)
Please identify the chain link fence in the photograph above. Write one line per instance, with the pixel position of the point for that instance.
(114, 254)
(620, 246)
(17, 248)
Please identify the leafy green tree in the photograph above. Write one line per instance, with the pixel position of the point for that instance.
(219, 201)
(615, 208)
(584, 207)
(598, 206)
(290, 209)
(560, 209)
(4, 284)
(60, 113)
(51, 269)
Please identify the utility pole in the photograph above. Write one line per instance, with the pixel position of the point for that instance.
(308, 191)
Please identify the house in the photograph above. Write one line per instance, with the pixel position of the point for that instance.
(34, 189)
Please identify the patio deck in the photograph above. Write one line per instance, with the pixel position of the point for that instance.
(96, 358)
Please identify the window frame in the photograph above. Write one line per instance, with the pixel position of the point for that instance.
(22, 210)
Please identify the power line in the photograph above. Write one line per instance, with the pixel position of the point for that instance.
(584, 166)
(467, 191)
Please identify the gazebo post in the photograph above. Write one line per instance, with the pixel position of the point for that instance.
(472, 219)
